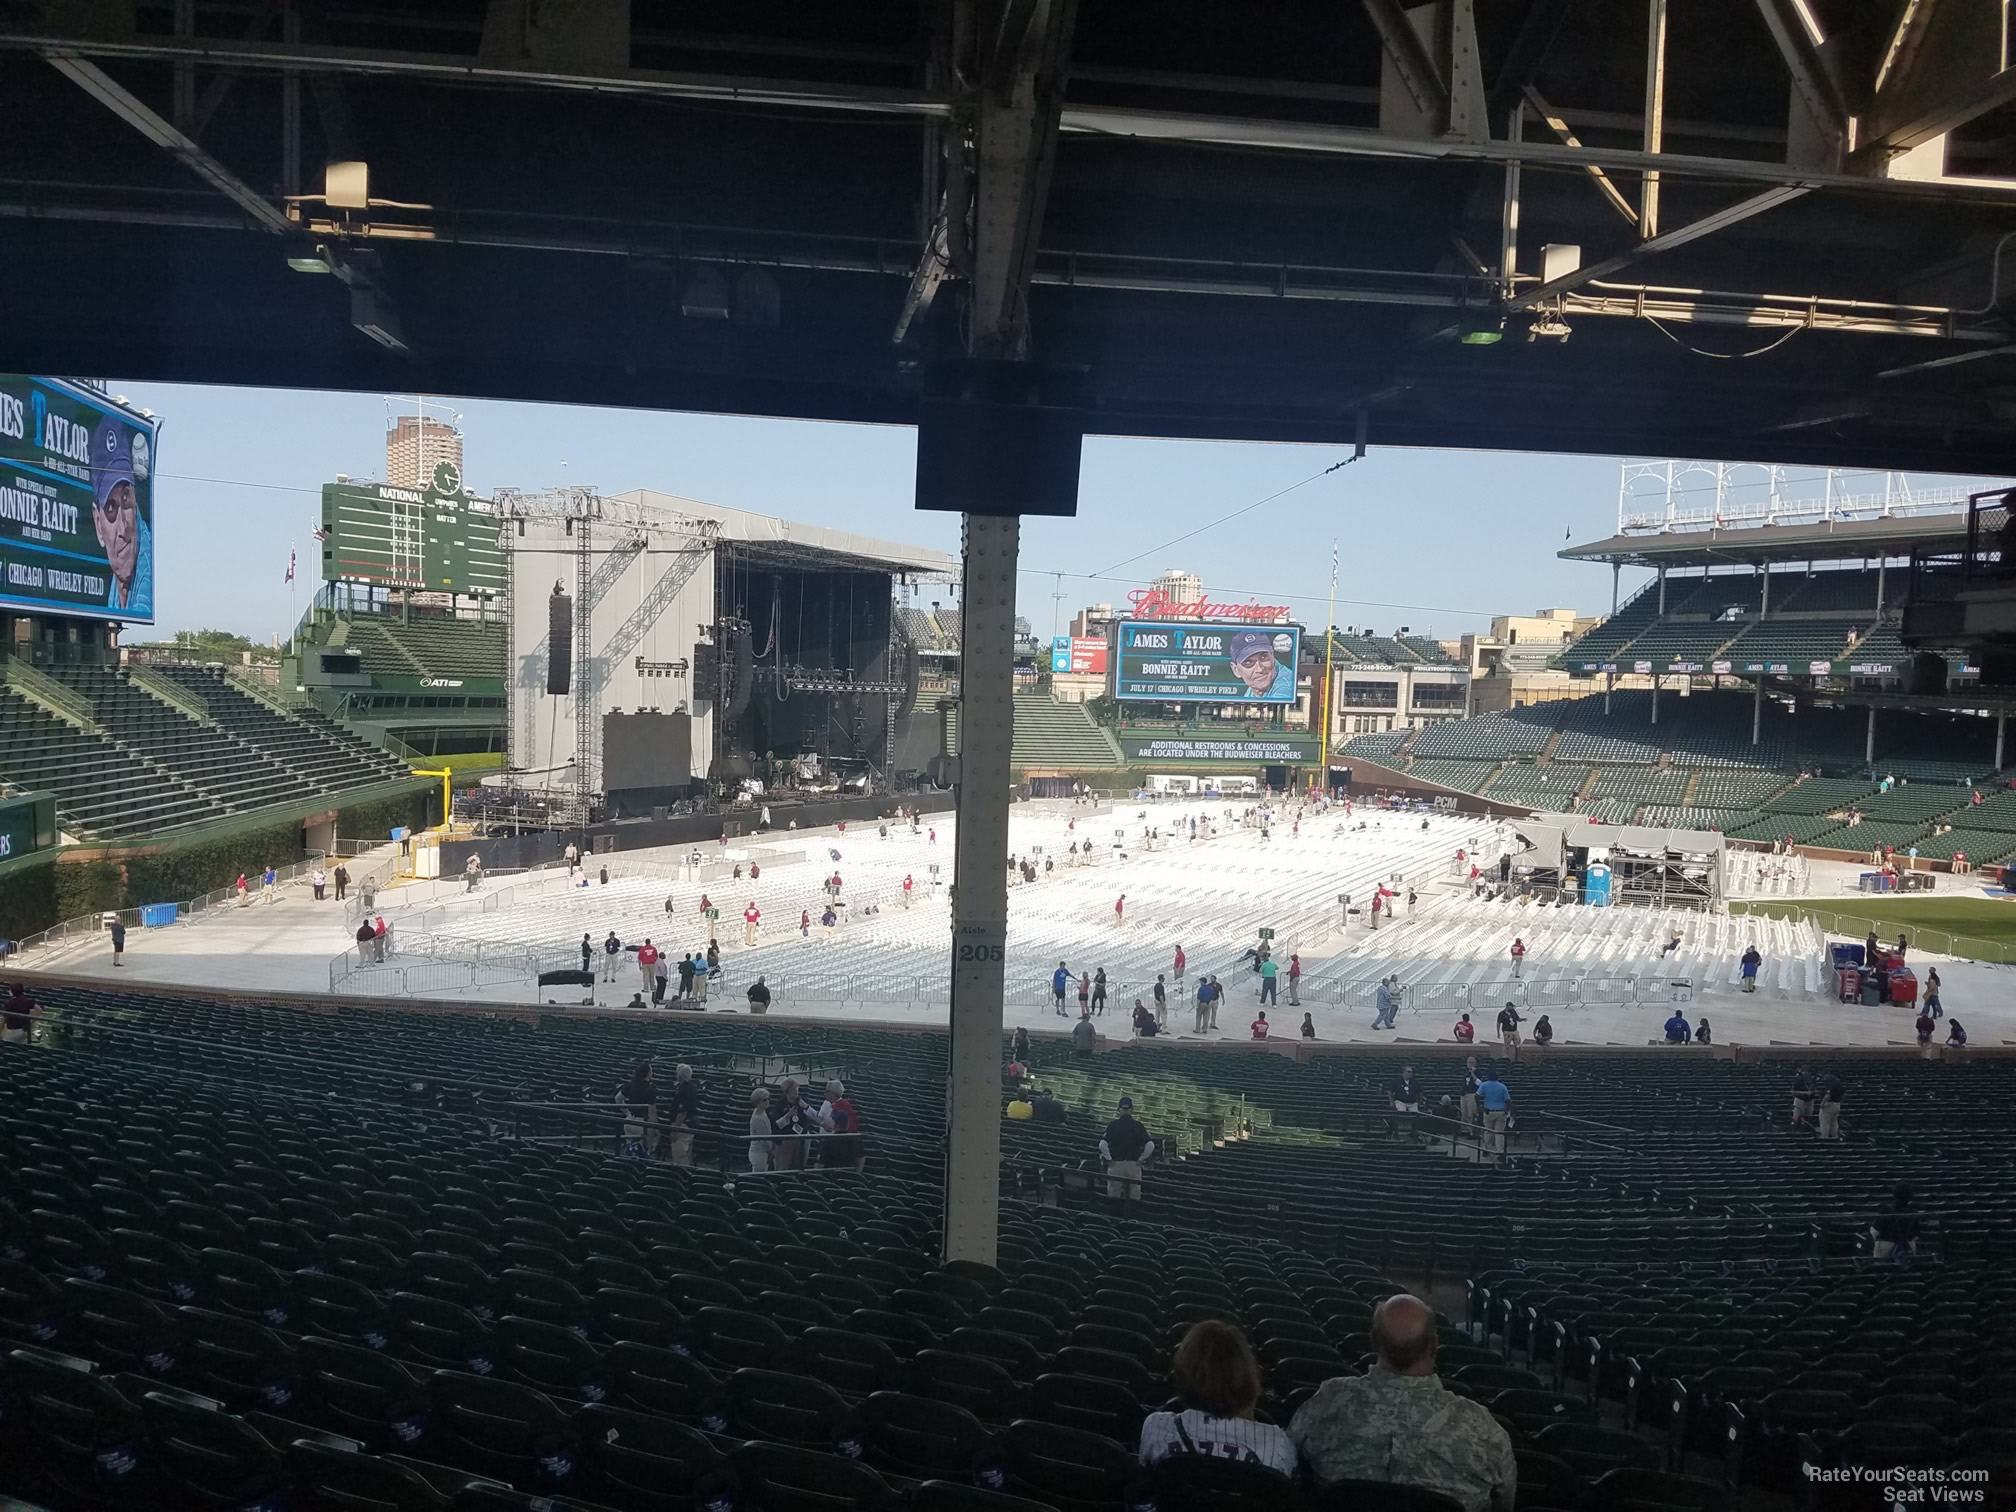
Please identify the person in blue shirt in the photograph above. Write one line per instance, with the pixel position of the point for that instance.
(1254, 659)
(1495, 1098)
(1060, 983)
(1678, 1031)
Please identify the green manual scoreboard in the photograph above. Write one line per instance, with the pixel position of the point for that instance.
(437, 539)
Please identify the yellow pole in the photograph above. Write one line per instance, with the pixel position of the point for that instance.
(1329, 652)
(447, 793)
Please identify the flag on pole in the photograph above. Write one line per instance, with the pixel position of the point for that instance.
(319, 533)
(290, 566)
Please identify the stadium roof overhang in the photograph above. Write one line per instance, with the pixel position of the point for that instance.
(1754, 545)
(1303, 221)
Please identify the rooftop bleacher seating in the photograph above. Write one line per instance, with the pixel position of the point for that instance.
(1428, 651)
(1052, 734)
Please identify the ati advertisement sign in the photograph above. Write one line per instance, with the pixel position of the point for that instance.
(1270, 750)
(436, 538)
(76, 502)
(1076, 653)
(1168, 662)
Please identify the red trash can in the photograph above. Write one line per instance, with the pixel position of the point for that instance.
(1903, 987)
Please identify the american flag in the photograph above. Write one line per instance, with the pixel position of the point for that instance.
(290, 568)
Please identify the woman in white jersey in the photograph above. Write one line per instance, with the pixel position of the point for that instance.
(1218, 1382)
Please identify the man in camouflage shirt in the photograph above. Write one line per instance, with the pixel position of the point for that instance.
(1400, 1425)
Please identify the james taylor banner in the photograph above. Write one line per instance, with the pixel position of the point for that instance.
(1173, 661)
(76, 502)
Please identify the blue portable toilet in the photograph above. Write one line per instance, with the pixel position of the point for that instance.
(1596, 884)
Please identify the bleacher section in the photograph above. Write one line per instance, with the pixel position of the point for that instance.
(1823, 616)
(1794, 642)
(150, 767)
(1609, 638)
(1060, 735)
(1489, 737)
(259, 1257)
(1697, 768)
(331, 757)
(104, 790)
(1553, 786)
(428, 646)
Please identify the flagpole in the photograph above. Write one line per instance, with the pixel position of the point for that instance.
(1329, 653)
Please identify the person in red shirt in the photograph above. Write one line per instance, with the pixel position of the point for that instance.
(908, 887)
(1465, 1031)
(1120, 909)
(1378, 902)
(1260, 1025)
(1518, 956)
(751, 917)
(705, 904)
(647, 967)
(1179, 963)
(804, 924)
(1294, 980)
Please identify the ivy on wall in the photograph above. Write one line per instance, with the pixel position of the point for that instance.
(46, 889)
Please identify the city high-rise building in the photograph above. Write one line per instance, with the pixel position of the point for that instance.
(416, 445)
(1180, 587)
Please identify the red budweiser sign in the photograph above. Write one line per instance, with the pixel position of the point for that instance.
(1155, 603)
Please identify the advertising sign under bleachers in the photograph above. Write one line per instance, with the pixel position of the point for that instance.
(1174, 661)
(1278, 748)
(76, 501)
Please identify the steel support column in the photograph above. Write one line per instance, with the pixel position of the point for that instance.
(1763, 591)
(1024, 48)
(1757, 714)
(1616, 576)
(1508, 220)
(980, 907)
(1655, 114)
(1662, 590)
(1869, 740)
(1882, 578)
(1655, 698)
(2001, 729)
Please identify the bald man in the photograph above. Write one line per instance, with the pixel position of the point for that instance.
(1400, 1425)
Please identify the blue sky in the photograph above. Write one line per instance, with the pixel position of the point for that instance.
(1437, 541)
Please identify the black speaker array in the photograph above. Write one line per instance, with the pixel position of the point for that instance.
(745, 669)
(559, 643)
(1927, 674)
